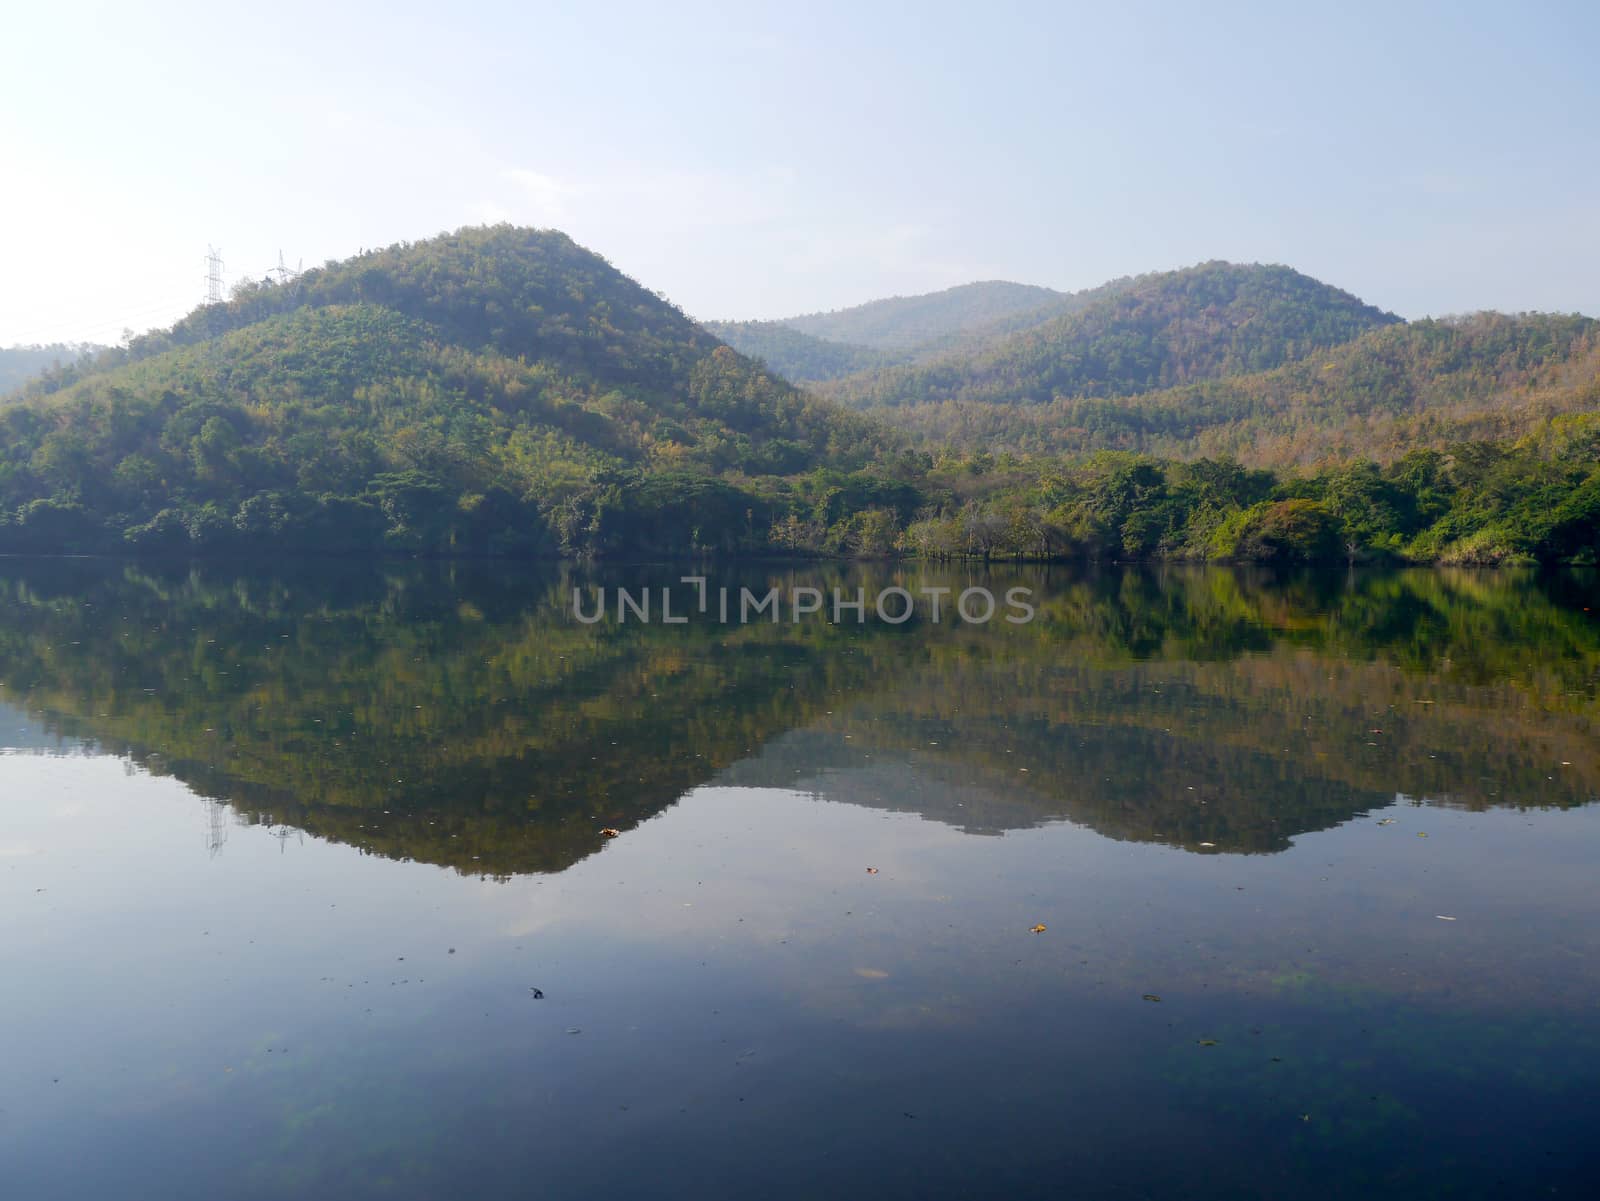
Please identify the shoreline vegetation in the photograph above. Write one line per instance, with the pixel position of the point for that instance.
(503, 392)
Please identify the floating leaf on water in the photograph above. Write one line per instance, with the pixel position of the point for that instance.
(1150, 996)
(1422, 834)
(609, 832)
(1207, 1042)
(1039, 929)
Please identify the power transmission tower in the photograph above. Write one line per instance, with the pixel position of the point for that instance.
(282, 273)
(213, 275)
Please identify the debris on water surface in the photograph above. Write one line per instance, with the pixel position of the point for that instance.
(1150, 996)
(1422, 833)
(1039, 929)
(1208, 844)
(1388, 821)
(574, 1030)
(610, 832)
(538, 993)
(872, 871)
(1443, 918)
(1207, 1042)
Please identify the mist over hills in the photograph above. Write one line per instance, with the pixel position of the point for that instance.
(903, 323)
(817, 347)
(19, 364)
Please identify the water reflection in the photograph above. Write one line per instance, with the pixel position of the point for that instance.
(461, 716)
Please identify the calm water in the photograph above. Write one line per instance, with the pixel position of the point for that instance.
(283, 857)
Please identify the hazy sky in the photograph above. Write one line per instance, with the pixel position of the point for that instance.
(758, 160)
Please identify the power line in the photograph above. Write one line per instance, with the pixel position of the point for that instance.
(169, 311)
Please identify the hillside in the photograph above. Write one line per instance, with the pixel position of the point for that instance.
(1156, 331)
(492, 389)
(1427, 383)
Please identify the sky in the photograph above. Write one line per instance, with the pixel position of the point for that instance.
(757, 160)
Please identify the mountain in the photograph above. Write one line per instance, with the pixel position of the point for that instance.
(795, 356)
(489, 389)
(1398, 387)
(904, 323)
(1156, 331)
(820, 347)
(19, 364)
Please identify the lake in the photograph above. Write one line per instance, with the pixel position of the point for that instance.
(409, 881)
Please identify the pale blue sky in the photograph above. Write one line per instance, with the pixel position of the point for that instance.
(757, 160)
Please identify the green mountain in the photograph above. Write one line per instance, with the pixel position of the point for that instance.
(19, 364)
(492, 389)
(1426, 383)
(1156, 331)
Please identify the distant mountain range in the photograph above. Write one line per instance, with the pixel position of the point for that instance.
(898, 330)
(1261, 363)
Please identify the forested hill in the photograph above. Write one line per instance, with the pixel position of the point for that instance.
(1157, 331)
(492, 389)
(1427, 383)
